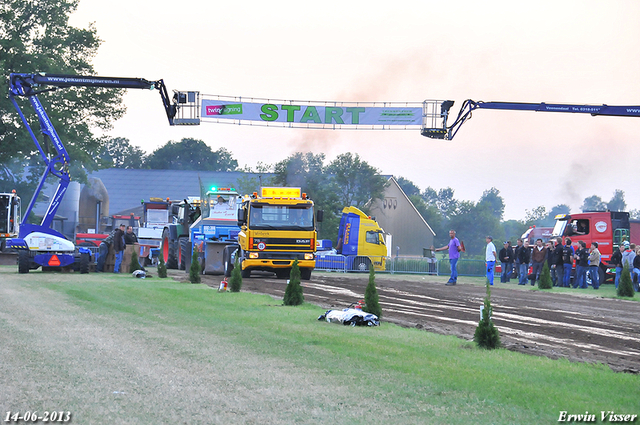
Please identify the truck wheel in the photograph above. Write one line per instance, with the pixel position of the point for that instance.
(23, 261)
(361, 264)
(226, 258)
(283, 273)
(182, 258)
(84, 263)
(168, 250)
(245, 273)
(305, 274)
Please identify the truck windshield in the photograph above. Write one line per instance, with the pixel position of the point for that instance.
(4, 213)
(223, 206)
(558, 229)
(281, 217)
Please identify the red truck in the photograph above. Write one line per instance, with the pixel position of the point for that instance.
(608, 228)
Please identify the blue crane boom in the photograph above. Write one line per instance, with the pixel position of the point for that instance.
(468, 106)
(29, 86)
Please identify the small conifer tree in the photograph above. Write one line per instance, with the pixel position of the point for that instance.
(194, 270)
(371, 299)
(486, 335)
(162, 268)
(293, 294)
(545, 281)
(135, 264)
(235, 281)
(625, 287)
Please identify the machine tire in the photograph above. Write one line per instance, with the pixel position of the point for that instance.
(245, 273)
(168, 250)
(24, 261)
(84, 263)
(182, 258)
(283, 273)
(226, 258)
(361, 264)
(305, 273)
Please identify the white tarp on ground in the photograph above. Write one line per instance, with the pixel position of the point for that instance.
(350, 316)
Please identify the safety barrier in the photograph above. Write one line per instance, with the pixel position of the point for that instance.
(407, 265)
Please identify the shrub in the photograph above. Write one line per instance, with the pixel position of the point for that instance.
(162, 268)
(486, 335)
(293, 294)
(135, 264)
(371, 304)
(194, 270)
(625, 287)
(545, 281)
(235, 281)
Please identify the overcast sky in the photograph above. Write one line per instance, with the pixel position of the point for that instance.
(576, 52)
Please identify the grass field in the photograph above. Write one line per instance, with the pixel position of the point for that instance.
(114, 349)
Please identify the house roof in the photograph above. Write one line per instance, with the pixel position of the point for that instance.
(127, 187)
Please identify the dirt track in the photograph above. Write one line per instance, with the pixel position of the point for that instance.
(579, 328)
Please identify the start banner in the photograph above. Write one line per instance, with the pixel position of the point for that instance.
(301, 114)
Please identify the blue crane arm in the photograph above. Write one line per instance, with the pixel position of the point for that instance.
(29, 86)
(448, 132)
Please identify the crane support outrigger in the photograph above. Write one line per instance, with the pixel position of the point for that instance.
(40, 245)
(468, 106)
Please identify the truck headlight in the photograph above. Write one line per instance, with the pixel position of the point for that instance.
(253, 255)
(308, 256)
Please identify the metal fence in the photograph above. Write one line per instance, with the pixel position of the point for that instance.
(406, 265)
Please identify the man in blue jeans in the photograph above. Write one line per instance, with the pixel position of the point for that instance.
(118, 246)
(454, 254)
(490, 258)
(567, 260)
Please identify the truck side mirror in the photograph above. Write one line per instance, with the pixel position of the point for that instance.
(319, 215)
(242, 216)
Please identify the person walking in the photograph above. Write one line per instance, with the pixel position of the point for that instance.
(454, 248)
(538, 257)
(490, 258)
(118, 247)
(505, 256)
(594, 265)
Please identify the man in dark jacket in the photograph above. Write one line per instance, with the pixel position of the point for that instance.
(524, 256)
(103, 250)
(582, 266)
(557, 268)
(506, 257)
(130, 238)
(616, 261)
(567, 262)
(118, 247)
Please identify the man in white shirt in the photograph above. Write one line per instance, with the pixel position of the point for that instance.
(490, 257)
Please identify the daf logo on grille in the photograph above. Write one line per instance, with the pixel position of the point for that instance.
(303, 241)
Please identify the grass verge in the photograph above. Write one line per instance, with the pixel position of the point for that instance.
(245, 358)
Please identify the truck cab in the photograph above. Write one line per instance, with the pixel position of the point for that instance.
(277, 228)
(361, 241)
(608, 228)
(10, 210)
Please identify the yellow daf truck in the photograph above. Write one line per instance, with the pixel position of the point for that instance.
(277, 227)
